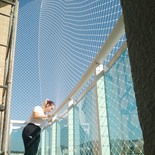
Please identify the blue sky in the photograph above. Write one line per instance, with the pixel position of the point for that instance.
(56, 42)
(25, 88)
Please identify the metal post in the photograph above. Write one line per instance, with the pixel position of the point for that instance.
(70, 129)
(10, 135)
(102, 113)
(2, 122)
(77, 130)
(43, 142)
(58, 137)
(97, 109)
(54, 137)
(51, 140)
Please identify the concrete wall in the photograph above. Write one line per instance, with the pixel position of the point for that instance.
(139, 19)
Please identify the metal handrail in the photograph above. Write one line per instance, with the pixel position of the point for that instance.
(102, 73)
(113, 38)
(18, 122)
(112, 61)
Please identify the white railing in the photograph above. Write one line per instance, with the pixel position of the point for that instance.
(111, 41)
(96, 69)
(113, 38)
(14, 124)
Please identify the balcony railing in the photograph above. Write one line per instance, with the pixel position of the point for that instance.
(103, 120)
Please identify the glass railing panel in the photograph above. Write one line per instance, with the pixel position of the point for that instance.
(86, 137)
(55, 138)
(46, 142)
(17, 145)
(124, 129)
(62, 135)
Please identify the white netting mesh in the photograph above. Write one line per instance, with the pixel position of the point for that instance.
(124, 129)
(25, 88)
(56, 43)
(72, 32)
(119, 125)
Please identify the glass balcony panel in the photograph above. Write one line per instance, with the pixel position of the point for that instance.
(124, 128)
(17, 145)
(62, 135)
(86, 137)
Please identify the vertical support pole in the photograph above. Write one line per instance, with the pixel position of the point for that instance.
(102, 113)
(97, 107)
(43, 149)
(54, 137)
(1, 129)
(47, 141)
(70, 129)
(76, 129)
(51, 140)
(58, 137)
(10, 135)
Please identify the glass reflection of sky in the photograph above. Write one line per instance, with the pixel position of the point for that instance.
(121, 104)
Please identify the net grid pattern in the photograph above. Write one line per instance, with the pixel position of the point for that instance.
(124, 129)
(56, 43)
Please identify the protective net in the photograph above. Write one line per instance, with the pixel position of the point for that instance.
(56, 43)
(57, 40)
(119, 125)
(71, 32)
(26, 88)
(124, 129)
(117, 131)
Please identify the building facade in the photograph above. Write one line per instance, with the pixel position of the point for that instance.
(8, 26)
